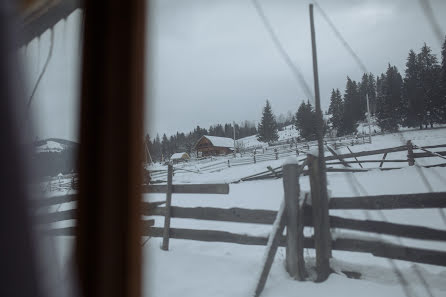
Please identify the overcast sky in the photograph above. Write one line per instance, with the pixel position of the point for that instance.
(213, 61)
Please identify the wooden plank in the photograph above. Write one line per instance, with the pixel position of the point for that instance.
(410, 157)
(273, 244)
(321, 220)
(368, 161)
(433, 146)
(54, 200)
(391, 251)
(239, 215)
(429, 155)
(378, 249)
(387, 228)
(337, 156)
(302, 274)
(273, 171)
(383, 160)
(212, 236)
(436, 154)
(188, 189)
(369, 153)
(165, 245)
(71, 231)
(402, 201)
(291, 193)
(355, 156)
(148, 207)
(57, 216)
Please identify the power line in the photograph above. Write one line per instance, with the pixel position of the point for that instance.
(286, 58)
(342, 39)
(430, 16)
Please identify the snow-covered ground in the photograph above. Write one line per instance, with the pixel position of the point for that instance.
(193, 268)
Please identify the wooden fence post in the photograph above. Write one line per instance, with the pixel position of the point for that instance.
(295, 268)
(254, 158)
(410, 157)
(229, 165)
(321, 223)
(277, 154)
(165, 245)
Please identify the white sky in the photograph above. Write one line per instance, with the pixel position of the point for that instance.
(213, 62)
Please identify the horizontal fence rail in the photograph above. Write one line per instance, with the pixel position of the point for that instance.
(376, 248)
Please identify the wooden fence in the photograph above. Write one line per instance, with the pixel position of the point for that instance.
(296, 214)
(279, 150)
(341, 159)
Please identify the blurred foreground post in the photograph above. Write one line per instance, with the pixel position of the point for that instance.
(108, 229)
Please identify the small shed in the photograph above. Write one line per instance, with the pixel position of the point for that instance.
(179, 157)
(214, 145)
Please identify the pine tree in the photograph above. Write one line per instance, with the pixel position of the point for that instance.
(372, 93)
(336, 110)
(443, 82)
(351, 110)
(267, 128)
(413, 107)
(430, 75)
(363, 88)
(389, 101)
(306, 121)
(164, 148)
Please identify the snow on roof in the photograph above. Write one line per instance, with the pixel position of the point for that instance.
(177, 156)
(220, 141)
(50, 146)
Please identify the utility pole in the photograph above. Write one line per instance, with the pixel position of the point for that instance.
(319, 196)
(233, 127)
(368, 117)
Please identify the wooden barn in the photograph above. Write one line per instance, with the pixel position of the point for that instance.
(214, 145)
(179, 157)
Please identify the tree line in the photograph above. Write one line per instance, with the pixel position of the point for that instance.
(417, 99)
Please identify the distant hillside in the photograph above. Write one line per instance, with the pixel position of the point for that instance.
(54, 155)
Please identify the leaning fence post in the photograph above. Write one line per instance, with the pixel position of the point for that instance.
(166, 231)
(292, 192)
(321, 223)
(410, 157)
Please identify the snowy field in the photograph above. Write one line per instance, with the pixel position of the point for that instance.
(193, 268)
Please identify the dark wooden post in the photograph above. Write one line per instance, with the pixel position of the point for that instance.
(277, 154)
(292, 192)
(382, 162)
(254, 158)
(229, 165)
(108, 226)
(165, 245)
(321, 223)
(410, 157)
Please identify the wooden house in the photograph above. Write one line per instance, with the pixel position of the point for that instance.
(179, 157)
(214, 145)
